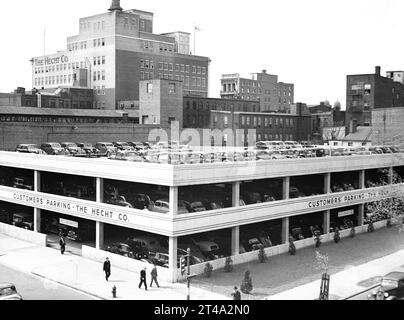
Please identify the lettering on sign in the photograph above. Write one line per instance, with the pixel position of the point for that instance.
(333, 200)
(51, 60)
(70, 223)
(69, 207)
(345, 213)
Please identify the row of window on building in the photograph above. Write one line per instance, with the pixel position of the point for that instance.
(99, 90)
(53, 80)
(187, 80)
(97, 25)
(81, 45)
(246, 107)
(99, 75)
(61, 67)
(58, 119)
(149, 64)
(163, 47)
(268, 121)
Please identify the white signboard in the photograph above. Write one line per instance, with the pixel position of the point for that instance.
(70, 223)
(345, 213)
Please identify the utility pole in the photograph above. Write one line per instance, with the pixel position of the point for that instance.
(188, 274)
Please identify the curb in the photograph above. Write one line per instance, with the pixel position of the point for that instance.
(69, 286)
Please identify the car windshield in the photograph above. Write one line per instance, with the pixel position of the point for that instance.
(6, 291)
(389, 283)
(55, 145)
(31, 146)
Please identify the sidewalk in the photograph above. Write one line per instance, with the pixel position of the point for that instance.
(87, 276)
(348, 282)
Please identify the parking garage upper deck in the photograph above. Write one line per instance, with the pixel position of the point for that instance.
(197, 174)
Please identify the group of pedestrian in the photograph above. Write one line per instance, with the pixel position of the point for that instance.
(143, 279)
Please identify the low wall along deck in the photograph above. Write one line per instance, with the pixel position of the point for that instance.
(38, 239)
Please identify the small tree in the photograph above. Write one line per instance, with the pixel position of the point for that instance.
(208, 270)
(371, 227)
(292, 247)
(228, 265)
(337, 236)
(353, 232)
(262, 256)
(317, 239)
(246, 284)
(322, 263)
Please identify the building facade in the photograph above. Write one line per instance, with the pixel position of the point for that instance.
(63, 97)
(262, 87)
(236, 114)
(114, 51)
(367, 92)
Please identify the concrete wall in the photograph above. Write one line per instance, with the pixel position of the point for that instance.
(13, 133)
(38, 239)
(387, 126)
(124, 263)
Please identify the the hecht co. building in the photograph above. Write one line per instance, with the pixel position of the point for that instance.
(116, 50)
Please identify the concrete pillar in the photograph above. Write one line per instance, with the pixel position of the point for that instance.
(37, 211)
(327, 183)
(285, 188)
(99, 226)
(172, 258)
(173, 201)
(99, 235)
(99, 186)
(285, 230)
(235, 194)
(391, 175)
(361, 214)
(362, 179)
(326, 222)
(235, 241)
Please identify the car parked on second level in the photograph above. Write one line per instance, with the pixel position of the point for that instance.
(53, 148)
(29, 148)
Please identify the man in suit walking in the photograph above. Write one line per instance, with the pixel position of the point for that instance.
(107, 268)
(143, 278)
(153, 274)
(62, 243)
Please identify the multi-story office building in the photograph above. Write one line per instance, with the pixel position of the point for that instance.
(265, 88)
(366, 92)
(114, 51)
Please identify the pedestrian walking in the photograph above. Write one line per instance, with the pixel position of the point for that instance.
(107, 268)
(143, 278)
(153, 274)
(62, 243)
(236, 294)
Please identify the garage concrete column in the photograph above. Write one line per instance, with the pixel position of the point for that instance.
(327, 183)
(391, 175)
(99, 235)
(173, 201)
(361, 214)
(285, 230)
(99, 186)
(362, 179)
(285, 188)
(37, 211)
(326, 222)
(172, 258)
(235, 194)
(235, 241)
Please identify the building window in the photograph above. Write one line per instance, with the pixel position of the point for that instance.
(193, 69)
(171, 88)
(248, 121)
(203, 70)
(226, 120)
(187, 69)
(149, 88)
(243, 120)
(103, 74)
(103, 59)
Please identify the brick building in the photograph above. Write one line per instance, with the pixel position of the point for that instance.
(67, 98)
(262, 87)
(367, 92)
(116, 50)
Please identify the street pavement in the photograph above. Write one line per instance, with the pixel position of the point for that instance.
(87, 276)
(34, 288)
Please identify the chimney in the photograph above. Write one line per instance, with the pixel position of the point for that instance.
(115, 6)
(264, 71)
(377, 69)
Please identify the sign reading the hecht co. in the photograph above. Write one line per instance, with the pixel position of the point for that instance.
(46, 61)
(347, 199)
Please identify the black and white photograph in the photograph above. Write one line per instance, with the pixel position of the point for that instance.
(210, 151)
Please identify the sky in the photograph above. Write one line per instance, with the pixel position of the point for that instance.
(311, 43)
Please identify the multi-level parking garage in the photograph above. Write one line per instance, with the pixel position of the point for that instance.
(156, 211)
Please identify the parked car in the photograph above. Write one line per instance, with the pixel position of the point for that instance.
(251, 244)
(122, 249)
(22, 183)
(139, 201)
(5, 216)
(73, 149)
(23, 220)
(209, 249)
(29, 148)
(148, 244)
(89, 149)
(127, 155)
(120, 201)
(391, 287)
(122, 146)
(105, 148)
(139, 146)
(8, 291)
(53, 148)
(197, 206)
(161, 206)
